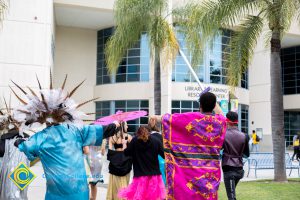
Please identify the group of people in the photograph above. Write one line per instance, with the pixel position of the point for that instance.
(181, 163)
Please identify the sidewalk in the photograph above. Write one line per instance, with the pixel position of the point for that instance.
(37, 188)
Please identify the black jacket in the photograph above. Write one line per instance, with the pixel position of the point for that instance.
(235, 147)
(145, 156)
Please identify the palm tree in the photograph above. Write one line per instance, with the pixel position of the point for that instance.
(3, 8)
(247, 18)
(133, 18)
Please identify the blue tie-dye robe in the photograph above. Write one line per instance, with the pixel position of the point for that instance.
(60, 150)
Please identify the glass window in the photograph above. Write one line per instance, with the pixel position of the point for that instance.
(184, 106)
(136, 60)
(213, 62)
(244, 121)
(291, 126)
(290, 70)
(105, 108)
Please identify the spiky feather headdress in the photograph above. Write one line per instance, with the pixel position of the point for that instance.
(7, 121)
(50, 106)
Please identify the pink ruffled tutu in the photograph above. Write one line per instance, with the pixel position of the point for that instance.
(144, 188)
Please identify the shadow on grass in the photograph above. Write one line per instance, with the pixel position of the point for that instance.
(265, 190)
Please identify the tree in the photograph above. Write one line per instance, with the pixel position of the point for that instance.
(3, 9)
(134, 17)
(247, 18)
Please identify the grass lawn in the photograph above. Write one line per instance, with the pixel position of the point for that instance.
(264, 190)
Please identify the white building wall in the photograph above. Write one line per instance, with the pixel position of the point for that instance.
(25, 39)
(75, 55)
(260, 97)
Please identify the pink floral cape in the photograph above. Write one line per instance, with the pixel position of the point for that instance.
(192, 143)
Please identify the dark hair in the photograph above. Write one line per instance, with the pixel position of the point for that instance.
(253, 131)
(143, 133)
(208, 102)
(232, 116)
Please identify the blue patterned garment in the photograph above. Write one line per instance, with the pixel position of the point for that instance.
(60, 150)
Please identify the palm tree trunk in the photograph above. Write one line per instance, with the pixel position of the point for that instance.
(277, 111)
(157, 83)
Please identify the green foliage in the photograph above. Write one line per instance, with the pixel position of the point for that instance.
(134, 17)
(3, 8)
(245, 17)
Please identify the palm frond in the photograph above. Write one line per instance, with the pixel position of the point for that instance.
(3, 9)
(200, 22)
(133, 18)
(242, 45)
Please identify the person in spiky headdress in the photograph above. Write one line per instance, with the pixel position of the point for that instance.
(60, 145)
(11, 155)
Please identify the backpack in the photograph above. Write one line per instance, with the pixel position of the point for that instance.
(296, 143)
(257, 138)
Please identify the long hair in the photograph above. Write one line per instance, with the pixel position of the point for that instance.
(154, 124)
(143, 133)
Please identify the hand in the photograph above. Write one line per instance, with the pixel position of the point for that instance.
(103, 152)
(117, 124)
(18, 142)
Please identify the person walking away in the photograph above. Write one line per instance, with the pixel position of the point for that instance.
(147, 181)
(154, 125)
(296, 146)
(255, 142)
(94, 161)
(235, 147)
(119, 164)
(198, 136)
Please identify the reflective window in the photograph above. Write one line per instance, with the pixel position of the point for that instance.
(105, 108)
(133, 68)
(290, 62)
(212, 68)
(185, 106)
(181, 72)
(291, 126)
(244, 121)
(217, 58)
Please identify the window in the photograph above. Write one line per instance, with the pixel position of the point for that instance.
(290, 62)
(133, 68)
(105, 108)
(244, 119)
(291, 126)
(185, 106)
(217, 58)
(212, 69)
(181, 72)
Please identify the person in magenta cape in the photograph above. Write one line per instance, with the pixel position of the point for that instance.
(192, 144)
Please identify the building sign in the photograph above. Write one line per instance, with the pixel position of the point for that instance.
(194, 92)
(224, 106)
(234, 105)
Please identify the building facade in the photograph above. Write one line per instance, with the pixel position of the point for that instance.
(69, 37)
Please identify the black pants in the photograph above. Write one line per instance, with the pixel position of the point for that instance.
(296, 153)
(231, 179)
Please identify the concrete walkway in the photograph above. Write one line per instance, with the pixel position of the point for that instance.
(37, 188)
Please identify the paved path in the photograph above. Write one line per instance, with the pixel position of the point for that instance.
(38, 187)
